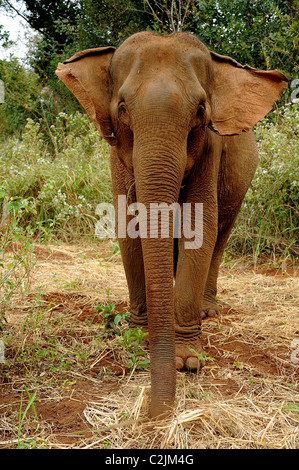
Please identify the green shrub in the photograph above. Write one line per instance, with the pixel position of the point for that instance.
(66, 184)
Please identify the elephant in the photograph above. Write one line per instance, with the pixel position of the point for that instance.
(178, 118)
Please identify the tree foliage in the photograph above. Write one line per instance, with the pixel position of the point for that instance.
(4, 37)
(21, 91)
(260, 33)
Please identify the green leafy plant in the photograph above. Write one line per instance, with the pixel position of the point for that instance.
(115, 250)
(202, 356)
(132, 342)
(111, 319)
(129, 339)
(238, 365)
(269, 218)
(22, 96)
(67, 174)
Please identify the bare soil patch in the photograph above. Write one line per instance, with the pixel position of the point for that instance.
(88, 396)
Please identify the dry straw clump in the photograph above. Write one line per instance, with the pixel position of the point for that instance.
(267, 417)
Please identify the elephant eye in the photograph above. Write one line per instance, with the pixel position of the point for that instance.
(122, 108)
(123, 114)
(201, 109)
(200, 117)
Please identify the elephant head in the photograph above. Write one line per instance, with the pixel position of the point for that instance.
(154, 99)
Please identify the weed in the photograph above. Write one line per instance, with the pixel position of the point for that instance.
(67, 384)
(75, 284)
(269, 219)
(238, 365)
(115, 251)
(66, 186)
(129, 339)
(132, 342)
(26, 443)
(111, 319)
(202, 356)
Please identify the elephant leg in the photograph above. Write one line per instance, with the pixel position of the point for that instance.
(238, 164)
(130, 248)
(133, 264)
(191, 276)
(225, 224)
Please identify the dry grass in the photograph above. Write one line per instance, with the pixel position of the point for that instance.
(259, 420)
(247, 397)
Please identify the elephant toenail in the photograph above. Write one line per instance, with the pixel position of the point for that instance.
(179, 362)
(212, 313)
(193, 363)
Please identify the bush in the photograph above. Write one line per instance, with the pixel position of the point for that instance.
(67, 183)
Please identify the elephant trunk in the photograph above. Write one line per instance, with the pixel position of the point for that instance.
(159, 161)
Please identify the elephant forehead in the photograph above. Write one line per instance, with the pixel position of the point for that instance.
(151, 54)
(177, 40)
(151, 46)
(180, 55)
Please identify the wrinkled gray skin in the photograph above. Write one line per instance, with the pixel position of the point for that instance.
(178, 120)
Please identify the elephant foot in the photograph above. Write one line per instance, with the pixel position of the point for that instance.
(189, 357)
(188, 350)
(210, 309)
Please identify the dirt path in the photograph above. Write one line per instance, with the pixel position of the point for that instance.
(85, 392)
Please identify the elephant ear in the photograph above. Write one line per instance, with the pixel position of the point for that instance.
(242, 95)
(86, 74)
